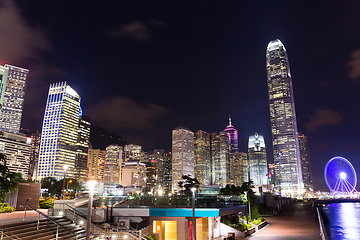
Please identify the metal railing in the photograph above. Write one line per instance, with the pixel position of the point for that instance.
(2, 235)
(96, 229)
(323, 232)
(50, 226)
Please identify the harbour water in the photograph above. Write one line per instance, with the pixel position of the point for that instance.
(344, 220)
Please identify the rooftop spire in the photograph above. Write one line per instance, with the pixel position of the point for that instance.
(229, 120)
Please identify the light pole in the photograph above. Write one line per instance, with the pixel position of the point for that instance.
(67, 185)
(193, 207)
(63, 190)
(91, 183)
(144, 185)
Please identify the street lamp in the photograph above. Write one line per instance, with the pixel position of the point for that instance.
(63, 190)
(67, 185)
(91, 182)
(248, 198)
(193, 207)
(144, 185)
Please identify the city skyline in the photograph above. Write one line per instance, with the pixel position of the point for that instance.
(161, 69)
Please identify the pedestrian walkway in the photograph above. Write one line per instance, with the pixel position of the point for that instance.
(295, 222)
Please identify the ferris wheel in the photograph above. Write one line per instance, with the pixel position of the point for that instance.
(340, 176)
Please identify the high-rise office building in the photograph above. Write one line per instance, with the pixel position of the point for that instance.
(167, 172)
(241, 168)
(35, 146)
(82, 147)
(305, 162)
(220, 159)
(17, 148)
(202, 158)
(59, 132)
(113, 162)
(96, 163)
(132, 152)
(257, 159)
(232, 134)
(12, 106)
(4, 72)
(283, 120)
(182, 155)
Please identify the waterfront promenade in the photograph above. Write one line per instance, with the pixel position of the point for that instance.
(295, 222)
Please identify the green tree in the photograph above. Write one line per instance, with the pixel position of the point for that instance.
(54, 186)
(9, 181)
(188, 183)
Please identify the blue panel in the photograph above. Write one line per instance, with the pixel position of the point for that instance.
(182, 212)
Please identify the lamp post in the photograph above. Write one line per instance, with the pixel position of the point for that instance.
(67, 185)
(193, 207)
(91, 183)
(63, 190)
(144, 186)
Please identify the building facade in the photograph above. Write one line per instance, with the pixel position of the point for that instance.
(4, 72)
(305, 162)
(35, 146)
(241, 168)
(257, 159)
(82, 148)
(96, 163)
(113, 162)
(221, 174)
(232, 134)
(283, 120)
(133, 175)
(17, 148)
(59, 132)
(182, 155)
(202, 158)
(12, 106)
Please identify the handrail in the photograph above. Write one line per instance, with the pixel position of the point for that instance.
(44, 215)
(2, 233)
(82, 215)
(323, 232)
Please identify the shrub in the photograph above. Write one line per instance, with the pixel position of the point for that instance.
(5, 208)
(46, 203)
(151, 237)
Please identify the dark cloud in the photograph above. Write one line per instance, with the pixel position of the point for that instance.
(354, 65)
(19, 40)
(123, 114)
(321, 147)
(323, 117)
(134, 29)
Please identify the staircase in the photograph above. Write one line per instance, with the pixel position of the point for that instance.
(46, 230)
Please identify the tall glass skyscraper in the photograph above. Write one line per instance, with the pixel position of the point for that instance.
(12, 106)
(257, 159)
(232, 134)
(202, 157)
(305, 162)
(59, 132)
(182, 155)
(220, 159)
(283, 120)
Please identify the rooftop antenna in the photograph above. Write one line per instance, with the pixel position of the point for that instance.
(229, 120)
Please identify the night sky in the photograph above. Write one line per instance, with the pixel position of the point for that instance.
(143, 68)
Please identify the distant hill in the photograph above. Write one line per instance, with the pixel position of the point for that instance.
(101, 138)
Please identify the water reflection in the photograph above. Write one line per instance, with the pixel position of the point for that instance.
(344, 221)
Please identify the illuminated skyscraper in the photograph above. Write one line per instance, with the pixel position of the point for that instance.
(232, 134)
(283, 120)
(257, 159)
(220, 159)
(241, 168)
(182, 155)
(202, 157)
(113, 163)
(305, 162)
(59, 132)
(82, 147)
(96, 163)
(4, 72)
(12, 106)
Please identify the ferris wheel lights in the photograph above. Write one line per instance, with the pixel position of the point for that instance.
(343, 175)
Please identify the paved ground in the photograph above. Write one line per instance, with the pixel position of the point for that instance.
(295, 222)
(18, 216)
